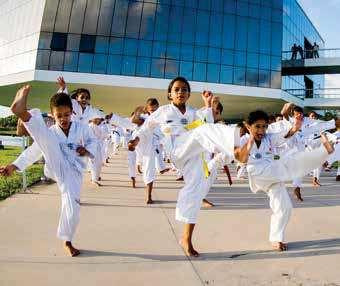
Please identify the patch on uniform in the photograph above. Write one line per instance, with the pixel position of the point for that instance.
(258, 156)
(184, 121)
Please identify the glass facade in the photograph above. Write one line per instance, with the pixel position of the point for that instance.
(299, 30)
(219, 41)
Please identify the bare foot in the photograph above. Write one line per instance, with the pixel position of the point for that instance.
(100, 178)
(180, 179)
(328, 145)
(97, 183)
(207, 204)
(164, 171)
(297, 194)
(149, 201)
(188, 248)
(316, 182)
(337, 178)
(280, 246)
(133, 180)
(19, 105)
(71, 251)
(139, 169)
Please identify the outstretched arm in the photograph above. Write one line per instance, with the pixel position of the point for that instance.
(287, 110)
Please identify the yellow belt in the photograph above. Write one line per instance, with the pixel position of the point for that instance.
(193, 125)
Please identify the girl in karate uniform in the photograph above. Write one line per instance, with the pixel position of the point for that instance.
(63, 145)
(173, 120)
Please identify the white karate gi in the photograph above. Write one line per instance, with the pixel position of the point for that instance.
(62, 164)
(172, 123)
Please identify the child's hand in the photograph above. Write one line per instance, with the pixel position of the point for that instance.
(61, 82)
(82, 151)
(8, 170)
(207, 97)
(132, 144)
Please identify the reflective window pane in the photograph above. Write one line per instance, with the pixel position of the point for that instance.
(241, 33)
(87, 43)
(252, 60)
(114, 64)
(59, 42)
(148, 21)
(186, 69)
(73, 42)
(187, 52)
(85, 62)
(119, 18)
(71, 61)
(143, 67)
(105, 17)
(214, 55)
(226, 75)
(213, 74)
(145, 48)
(239, 76)
(202, 36)
(188, 29)
(264, 62)
(159, 49)
(77, 16)
(91, 17)
(173, 51)
(216, 28)
(200, 72)
(252, 77)
(43, 59)
(157, 68)
(171, 69)
(45, 40)
(130, 47)
(275, 79)
(264, 78)
(102, 45)
(99, 63)
(63, 16)
(116, 45)
(50, 13)
(175, 29)
(228, 39)
(240, 59)
(56, 61)
(128, 65)
(253, 35)
(162, 21)
(201, 54)
(265, 37)
(227, 57)
(134, 16)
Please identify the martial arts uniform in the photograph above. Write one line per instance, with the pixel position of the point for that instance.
(62, 164)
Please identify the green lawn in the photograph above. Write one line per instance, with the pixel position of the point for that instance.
(10, 185)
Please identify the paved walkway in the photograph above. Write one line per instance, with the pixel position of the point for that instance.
(124, 242)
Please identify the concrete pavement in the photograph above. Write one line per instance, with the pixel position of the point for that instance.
(124, 242)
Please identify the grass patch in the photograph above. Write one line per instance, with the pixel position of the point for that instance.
(10, 185)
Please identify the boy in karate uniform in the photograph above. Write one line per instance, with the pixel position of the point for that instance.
(63, 146)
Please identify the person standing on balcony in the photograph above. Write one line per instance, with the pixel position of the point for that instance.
(294, 50)
(315, 50)
(300, 50)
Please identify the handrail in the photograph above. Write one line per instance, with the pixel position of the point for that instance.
(315, 93)
(308, 54)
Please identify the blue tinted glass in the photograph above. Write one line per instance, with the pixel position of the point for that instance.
(227, 57)
(216, 28)
(253, 35)
(116, 46)
(191, 3)
(264, 62)
(71, 61)
(58, 42)
(276, 63)
(102, 45)
(214, 55)
(45, 40)
(252, 77)
(158, 49)
(266, 13)
(85, 62)
(241, 33)
(201, 54)
(99, 63)
(130, 47)
(171, 68)
(162, 20)
(186, 70)
(119, 18)
(188, 29)
(264, 78)
(252, 60)
(229, 28)
(202, 37)
(275, 79)
(217, 5)
(276, 39)
(143, 66)
(213, 74)
(173, 51)
(128, 65)
(133, 19)
(43, 59)
(148, 21)
(265, 31)
(87, 43)
(242, 8)
(230, 6)
(157, 67)
(204, 4)
(226, 75)
(145, 48)
(178, 2)
(254, 11)
(56, 61)
(239, 76)
(187, 52)
(73, 42)
(114, 64)
(200, 72)
(240, 59)
(276, 15)
(176, 17)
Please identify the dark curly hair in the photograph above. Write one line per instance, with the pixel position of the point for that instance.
(60, 99)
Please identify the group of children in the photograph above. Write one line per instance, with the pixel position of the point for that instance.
(194, 140)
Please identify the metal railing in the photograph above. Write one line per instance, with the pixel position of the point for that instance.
(310, 54)
(315, 93)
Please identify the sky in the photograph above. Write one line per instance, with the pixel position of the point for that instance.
(325, 16)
